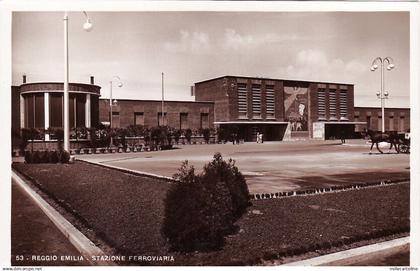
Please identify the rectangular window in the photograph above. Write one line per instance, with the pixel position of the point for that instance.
(204, 120)
(34, 111)
(242, 101)
(183, 121)
(332, 104)
(391, 123)
(368, 122)
(80, 110)
(161, 122)
(94, 110)
(115, 119)
(256, 101)
(72, 110)
(56, 110)
(343, 103)
(139, 118)
(270, 101)
(39, 111)
(401, 127)
(29, 111)
(379, 123)
(322, 112)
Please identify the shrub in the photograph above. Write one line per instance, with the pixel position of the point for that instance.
(52, 157)
(206, 135)
(64, 157)
(177, 135)
(227, 172)
(201, 209)
(43, 157)
(28, 157)
(188, 134)
(36, 157)
(47, 157)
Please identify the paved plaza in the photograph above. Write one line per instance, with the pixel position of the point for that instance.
(276, 166)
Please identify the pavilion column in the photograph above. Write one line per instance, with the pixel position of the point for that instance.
(47, 114)
(88, 111)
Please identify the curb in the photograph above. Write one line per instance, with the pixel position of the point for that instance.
(355, 252)
(331, 189)
(131, 171)
(85, 246)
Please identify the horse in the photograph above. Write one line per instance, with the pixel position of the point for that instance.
(391, 137)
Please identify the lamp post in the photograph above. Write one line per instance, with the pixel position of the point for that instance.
(110, 101)
(87, 26)
(382, 94)
(163, 101)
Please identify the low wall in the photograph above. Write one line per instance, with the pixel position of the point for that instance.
(86, 143)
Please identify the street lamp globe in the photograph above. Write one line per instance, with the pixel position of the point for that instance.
(120, 84)
(386, 94)
(390, 67)
(87, 26)
(378, 94)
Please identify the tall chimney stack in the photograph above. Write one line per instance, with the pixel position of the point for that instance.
(24, 79)
(92, 79)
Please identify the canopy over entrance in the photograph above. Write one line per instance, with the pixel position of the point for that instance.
(247, 130)
(335, 129)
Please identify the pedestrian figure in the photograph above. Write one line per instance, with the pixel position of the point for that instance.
(261, 138)
(343, 136)
(258, 137)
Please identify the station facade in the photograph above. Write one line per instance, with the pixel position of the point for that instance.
(279, 109)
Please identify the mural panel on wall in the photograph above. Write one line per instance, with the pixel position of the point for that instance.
(296, 107)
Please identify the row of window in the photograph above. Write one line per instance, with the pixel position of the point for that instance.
(256, 98)
(332, 103)
(183, 120)
(34, 110)
(393, 123)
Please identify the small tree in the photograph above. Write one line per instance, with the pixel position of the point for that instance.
(201, 209)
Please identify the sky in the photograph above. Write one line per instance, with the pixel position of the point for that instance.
(194, 46)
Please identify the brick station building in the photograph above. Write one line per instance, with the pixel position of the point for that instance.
(280, 109)
(148, 113)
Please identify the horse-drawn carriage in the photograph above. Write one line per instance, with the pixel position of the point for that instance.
(404, 145)
(401, 142)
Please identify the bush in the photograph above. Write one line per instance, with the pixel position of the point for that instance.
(206, 135)
(52, 157)
(177, 135)
(188, 134)
(64, 157)
(47, 157)
(201, 209)
(227, 172)
(28, 157)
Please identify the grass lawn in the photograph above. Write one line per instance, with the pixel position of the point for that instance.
(126, 212)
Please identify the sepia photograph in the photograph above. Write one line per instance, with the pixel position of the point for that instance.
(218, 135)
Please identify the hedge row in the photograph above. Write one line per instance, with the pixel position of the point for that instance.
(54, 157)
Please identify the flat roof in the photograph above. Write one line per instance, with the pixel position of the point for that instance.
(273, 79)
(379, 108)
(250, 122)
(343, 122)
(166, 101)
